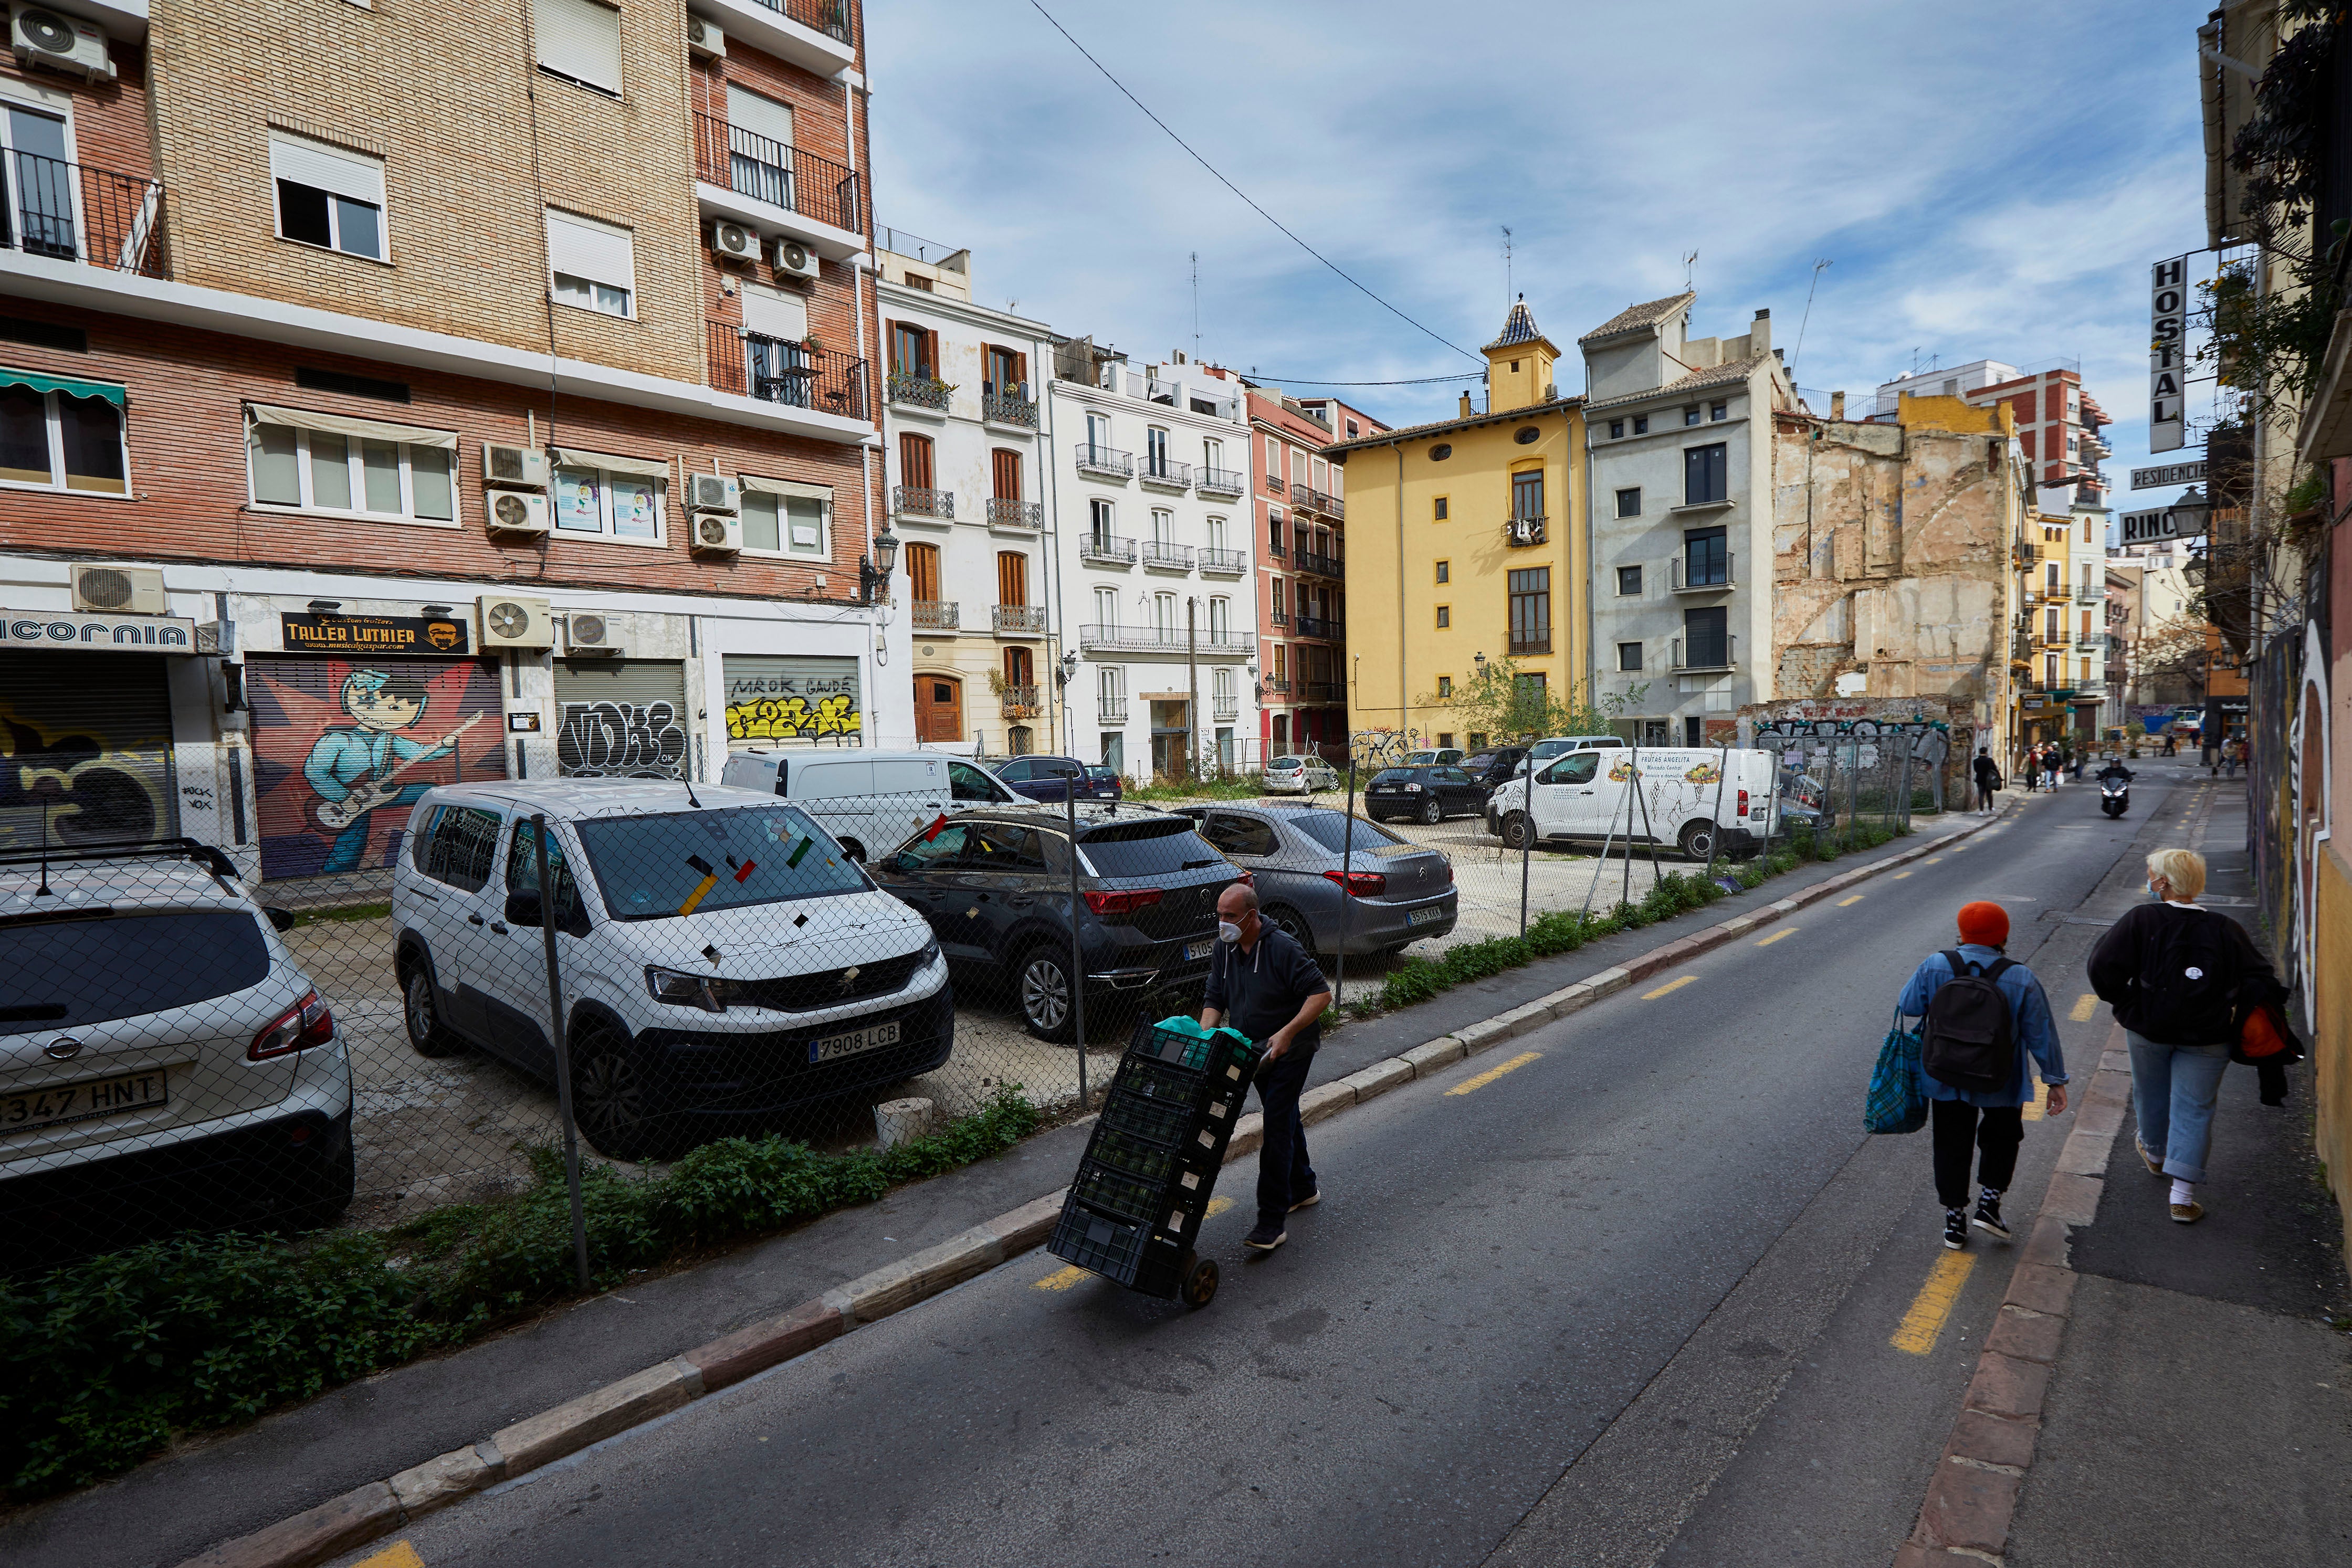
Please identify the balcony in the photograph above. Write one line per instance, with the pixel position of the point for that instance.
(1227, 709)
(1166, 640)
(1686, 576)
(933, 615)
(1020, 619)
(1319, 690)
(1279, 617)
(1538, 643)
(1171, 479)
(1272, 484)
(1319, 626)
(1106, 549)
(1219, 484)
(1030, 515)
(1110, 709)
(1157, 557)
(1003, 408)
(773, 370)
(812, 34)
(908, 501)
(2090, 596)
(1223, 562)
(1019, 702)
(1274, 688)
(1316, 564)
(777, 188)
(917, 390)
(1520, 533)
(72, 212)
(1311, 500)
(1707, 655)
(1103, 462)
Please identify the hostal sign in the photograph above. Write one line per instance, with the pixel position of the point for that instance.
(364, 635)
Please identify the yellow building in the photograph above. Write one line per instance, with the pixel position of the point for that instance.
(2062, 602)
(1466, 537)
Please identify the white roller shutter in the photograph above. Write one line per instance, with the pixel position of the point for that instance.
(760, 116)
(580, 39)
(773, 313)
(583, 247)
(323, 167)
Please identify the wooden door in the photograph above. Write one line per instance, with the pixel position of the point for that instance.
(939, 709)
(1011, 578)
(1004, 470)
(923, 572)
(914, 462)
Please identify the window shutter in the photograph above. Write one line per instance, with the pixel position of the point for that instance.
(583, 247)
(760, 116)
(931, 352)
(336, 170)
(1006, 472)
(580, 39)
(772, 313)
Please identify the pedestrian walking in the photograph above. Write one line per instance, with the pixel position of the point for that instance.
(2177, 974)
(1987, 1026)
(1988, 779)
(1263, 982)
(2028, 767)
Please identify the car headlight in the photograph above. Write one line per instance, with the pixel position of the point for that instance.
(930, 953)
(684, 990)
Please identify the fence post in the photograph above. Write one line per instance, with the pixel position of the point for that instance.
(1078, 956)
(1906, 818)
(1853, 791)
(558, 1037)
(1347, 890)
(1772, 803)
(1715, 830)
(1527, 848)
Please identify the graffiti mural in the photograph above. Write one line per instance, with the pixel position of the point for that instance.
(103, 775)
(778, 697)
(342, 747)
(621, 740)
(792, 718)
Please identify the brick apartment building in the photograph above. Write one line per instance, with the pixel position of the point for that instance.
(1301, 562)
(2058, 423)
(432, 391)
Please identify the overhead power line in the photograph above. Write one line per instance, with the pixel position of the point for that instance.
(1237, 190)
(1318, 382)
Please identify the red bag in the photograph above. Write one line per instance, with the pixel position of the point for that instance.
(2266, 1036)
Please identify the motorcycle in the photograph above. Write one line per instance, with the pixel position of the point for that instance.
(2115, 797)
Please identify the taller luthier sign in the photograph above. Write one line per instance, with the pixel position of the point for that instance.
(364, 635)
(2167, 330)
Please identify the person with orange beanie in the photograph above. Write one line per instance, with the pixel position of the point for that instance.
(1990, 1118)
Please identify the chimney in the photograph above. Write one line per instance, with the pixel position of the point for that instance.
(1760, 333)
(1837, 405)
(1466, 406)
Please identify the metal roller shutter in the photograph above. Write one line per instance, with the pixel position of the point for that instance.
(86, 740)
(621, 719)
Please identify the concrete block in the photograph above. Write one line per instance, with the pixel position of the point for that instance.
(1479, 1036)
(1249, 1133)
(2041, 1290)
(540, 1440)
(1571, 999)
(315, 1535)
(1992, 1439)
(2073, 1197)
(1737, 925)
(1380, 1078)
(1437, 1054)
(1786, 906)
(437, 1482)
(771, 1343)
(2049, 1243)
(1031, 1225)
(2028, 1336)
(895, 1287)
(1325, 1099)
(2007, 1386)
(1524, 1019)
(1968, 1508)
(1608, 981)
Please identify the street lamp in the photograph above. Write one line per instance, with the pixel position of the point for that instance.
(1068, 668)
(1480, 660)
(874, 572)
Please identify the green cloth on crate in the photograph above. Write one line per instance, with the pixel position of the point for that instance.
(1198, 1056)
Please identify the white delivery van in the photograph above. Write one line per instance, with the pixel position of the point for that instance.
(871, 802)
(1590, 796)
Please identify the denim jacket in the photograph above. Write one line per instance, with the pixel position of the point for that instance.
(2029, 1012)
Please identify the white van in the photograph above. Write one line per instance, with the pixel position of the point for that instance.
(869, 801)
(1585, 796)
(1543, 751)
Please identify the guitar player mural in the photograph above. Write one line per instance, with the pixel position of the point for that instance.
(338, 772)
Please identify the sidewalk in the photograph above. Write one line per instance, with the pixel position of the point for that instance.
(2164, 1393)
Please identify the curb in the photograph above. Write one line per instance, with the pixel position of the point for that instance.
(378, 1509)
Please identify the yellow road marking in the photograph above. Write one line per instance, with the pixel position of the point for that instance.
(2086, 1009)
(1931, 860)
(1062, 1278)
(400, 1554)
(1219, 1205)
(1494, 1072)
(1923, 1323)
(2038, 1107)
(1857, 898)
(1669, 986)
(1898, 877)
(1777, 935)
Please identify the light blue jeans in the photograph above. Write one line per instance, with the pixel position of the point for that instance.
(2174, 1090)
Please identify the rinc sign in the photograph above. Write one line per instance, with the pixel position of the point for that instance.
(2168, 310)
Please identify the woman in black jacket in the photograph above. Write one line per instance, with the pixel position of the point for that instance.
(2174, 973)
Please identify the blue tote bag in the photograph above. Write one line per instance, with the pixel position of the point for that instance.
(1898, 1095)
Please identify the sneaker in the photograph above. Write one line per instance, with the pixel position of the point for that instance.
(2154, 1166)
(1955, 1229)
(2187, 1213)
(1309, 1201)
(1265, 1238)
(1988, 1217)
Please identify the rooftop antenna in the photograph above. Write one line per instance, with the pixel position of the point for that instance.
(1506, 267)
(1196, 305)
(1689, 258)
(1818, 264)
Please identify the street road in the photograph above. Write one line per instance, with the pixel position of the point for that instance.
(1636, 1299)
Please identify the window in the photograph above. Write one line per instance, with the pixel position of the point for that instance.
(1531, 690)
(1629, 582)
(2050, 669)
(1098, 430)
(1212, 454)
(1445, 686)
(1217, 534)
(910, 355)
(1629, 503)
(915, 472)
(1274, 458)
(1220, 614)
(2050, 622)
(1706, 637)
(1155, 451)
(593, 264)
(1098, 521)
(462, 844)
(1444, 616)
(1706, 560)
(1107, 608)
(1351, 430)
(2050, 570)
(1441, 452)
(1011, 578)
(923, 572)
(326, 463)
(783, 518)
(1163, 614)
(1163, 526)
(580, 41)
(1616, 430)
(1279, 600)
(616, 504)
(1703, 475)
(1528, 493)
(1004, 474)
(1694, 730)
(1629, 655)
(1445, 571)
(1690, 414)
(327, 195)
(1274, 533)
(66, 435)
(1020, 667)
(1439, 514)
(1715, 411)
(758, 146)
(1640, 424)
(1530, 607)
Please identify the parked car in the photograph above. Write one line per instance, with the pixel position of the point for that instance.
(695, 1003)
(868, 800)
(1688, 795)
(160, 1047)
(1427, 795)
(1108, 784)
(1561, 745)
(1299, 776)
(1053, 778)
(1393, 892)
(1443, 756)
(1495, 766)
(995, 886)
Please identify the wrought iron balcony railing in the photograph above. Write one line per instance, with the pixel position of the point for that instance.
(1019, 701)
(908, 501)
(1017, 514)
(72, 212)
(1541, 643)
(1020, 619)
(1272, 484)
(1166, 558)
(1223, 562)
(778, 173)
(1111, 710)
(1322, 626)
(1319, 690)
(1105, 462)
(918, 389)
(1316, 563)
(1107, 549)
(1226, 484)
(999, 408)
(1163, 475)
(933, 615)
(1686, 576)
(1164, 640)
(1708, 654)
(775, 370)
(1279, 617)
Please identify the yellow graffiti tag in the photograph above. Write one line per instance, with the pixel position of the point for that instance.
(792, 718)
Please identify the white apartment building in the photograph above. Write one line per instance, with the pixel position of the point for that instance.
(966, 432)
(1680, 439)
(1152, 529)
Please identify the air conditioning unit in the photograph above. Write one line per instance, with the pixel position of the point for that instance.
(705, 38)
(733, 242)
(524, 466)
(714, 493)
(62, 43)
(794, 259)
(124, 590)
(516, 511)
(717, 535)
(512, 620)
(588, 634)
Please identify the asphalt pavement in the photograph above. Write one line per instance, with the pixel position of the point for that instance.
(1626, 1290)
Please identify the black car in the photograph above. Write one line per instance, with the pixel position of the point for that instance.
(1497, 766)
(995, 886)
(1427, 795)
(1053, 778)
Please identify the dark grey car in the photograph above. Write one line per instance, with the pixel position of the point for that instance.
(1402, 892)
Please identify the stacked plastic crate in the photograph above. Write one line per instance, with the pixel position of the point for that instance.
(1135, 1209)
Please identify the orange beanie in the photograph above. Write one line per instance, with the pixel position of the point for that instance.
(1983, 922)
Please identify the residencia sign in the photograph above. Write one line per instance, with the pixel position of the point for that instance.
(97, 633)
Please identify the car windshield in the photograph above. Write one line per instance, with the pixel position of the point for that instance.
(1148, 849)
(1326, 829)
(65, 973)
(1285, 763)
(685, 862)
(1479, 763)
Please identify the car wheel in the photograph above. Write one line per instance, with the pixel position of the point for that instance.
(1697, 840)
(420, 1008)
(1042, 980)
(1516, 830)
(1432, 813)
(610, 1097)
(1291, 923)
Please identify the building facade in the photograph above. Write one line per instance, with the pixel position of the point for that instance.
(1678, 433)
(1150, 496)
(966, 434)
(346, 457)
(2058, 423)
(1299, 502)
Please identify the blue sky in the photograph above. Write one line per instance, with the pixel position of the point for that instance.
(1991, 180)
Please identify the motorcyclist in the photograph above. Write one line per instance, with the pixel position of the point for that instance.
(2115, 769)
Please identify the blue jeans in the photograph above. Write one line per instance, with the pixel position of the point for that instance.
(1283, 1177)
(2174, 1089)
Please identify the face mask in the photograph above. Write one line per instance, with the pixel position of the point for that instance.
(1228, 932)
(2153, 894)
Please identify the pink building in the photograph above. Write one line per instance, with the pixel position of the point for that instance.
(1300, 516)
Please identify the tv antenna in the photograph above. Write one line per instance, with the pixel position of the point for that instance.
(1690, 258)
(1819, 264)
(1196, 305)
(1506, 267)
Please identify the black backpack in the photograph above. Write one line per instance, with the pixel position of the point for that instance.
(1969, 1040)
(2187, 990)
